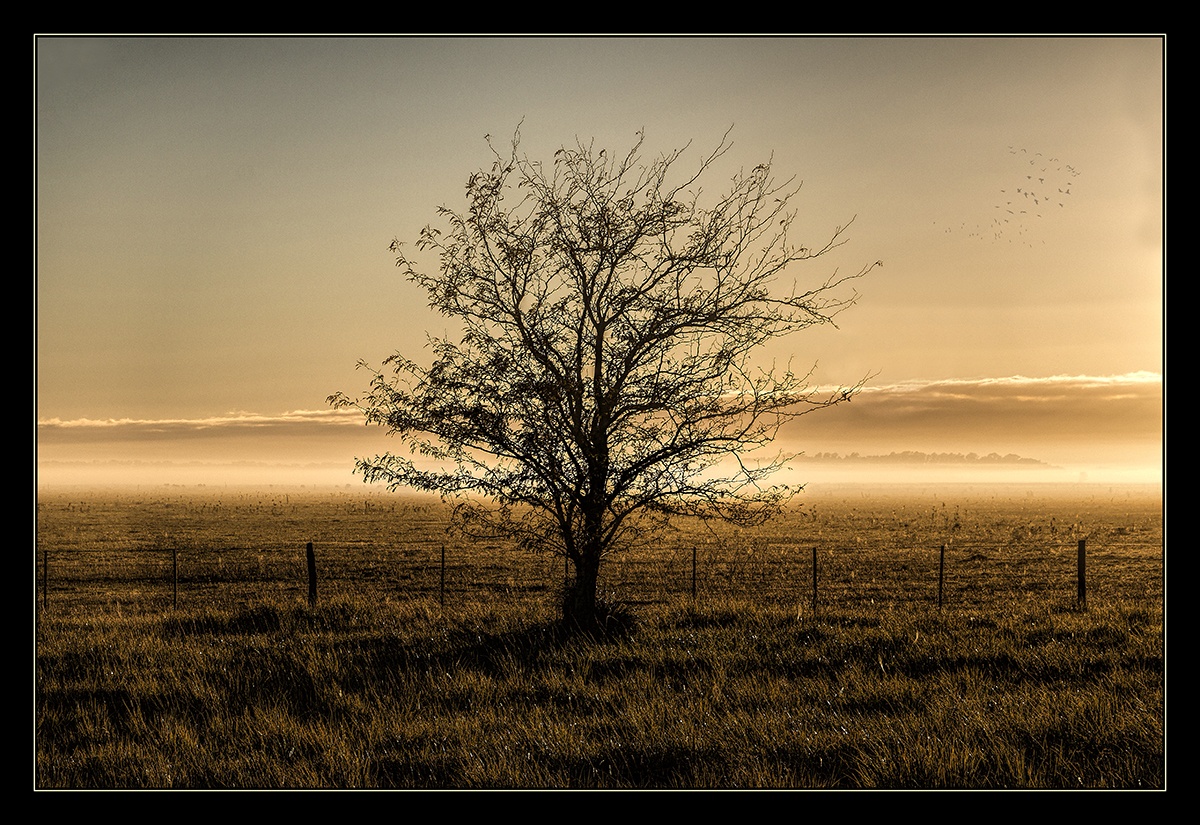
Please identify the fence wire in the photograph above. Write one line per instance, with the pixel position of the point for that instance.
(154, 551)
(771, 573)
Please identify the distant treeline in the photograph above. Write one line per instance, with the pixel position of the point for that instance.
(914, 457)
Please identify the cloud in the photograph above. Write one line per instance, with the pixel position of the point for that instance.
(1052, 418)
(1120, 404)
(115, 427)
(1062, 419)
(298, 436)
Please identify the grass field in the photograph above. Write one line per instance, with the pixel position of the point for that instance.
(175, 647)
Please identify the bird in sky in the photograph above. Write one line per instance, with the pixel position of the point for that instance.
(1049, 175)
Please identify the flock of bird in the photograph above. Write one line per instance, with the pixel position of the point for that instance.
(1038, 186)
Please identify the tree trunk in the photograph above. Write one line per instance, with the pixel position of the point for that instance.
(580, 610)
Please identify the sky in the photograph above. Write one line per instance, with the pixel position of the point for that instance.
(213, 219)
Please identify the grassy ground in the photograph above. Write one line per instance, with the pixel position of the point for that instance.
(241, 684)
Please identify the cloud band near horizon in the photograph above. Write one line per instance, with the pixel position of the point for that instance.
(1048, 419)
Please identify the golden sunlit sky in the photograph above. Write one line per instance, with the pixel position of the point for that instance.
(213, 218)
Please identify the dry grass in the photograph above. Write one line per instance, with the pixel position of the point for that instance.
(379, 686)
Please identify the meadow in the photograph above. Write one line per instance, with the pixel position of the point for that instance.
(940, 644)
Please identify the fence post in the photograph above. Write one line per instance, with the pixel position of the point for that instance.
(1082, 564)
(174, 578)
(814, 598)
(45, 577)
(693, 574)
(442, 584)
(312, 576)
(941, 574)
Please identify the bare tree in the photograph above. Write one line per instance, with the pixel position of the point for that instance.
(604, 380)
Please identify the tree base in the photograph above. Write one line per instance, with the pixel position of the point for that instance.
(595, 615)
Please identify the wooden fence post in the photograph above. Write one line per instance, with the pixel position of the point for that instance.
(941, 574)
(1082, 564)
(45, 577)
(693, 574)
(174, 578)
(312, 576)
(814, 598)
(442, 584)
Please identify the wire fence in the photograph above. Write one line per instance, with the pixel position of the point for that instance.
(158, 550)
(810, 575)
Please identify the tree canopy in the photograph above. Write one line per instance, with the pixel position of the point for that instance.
(605, 376)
